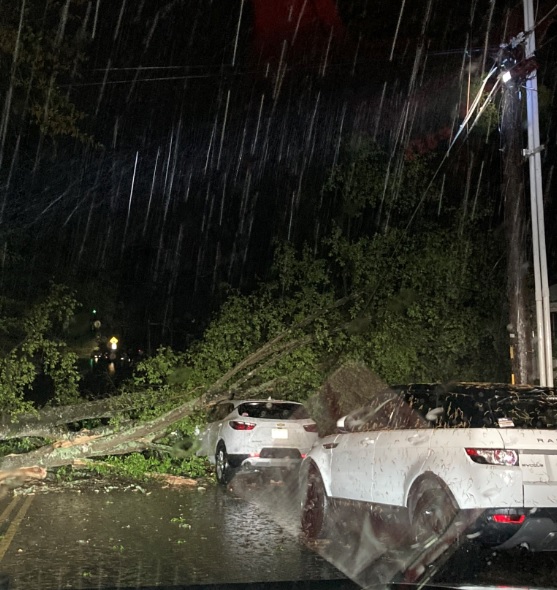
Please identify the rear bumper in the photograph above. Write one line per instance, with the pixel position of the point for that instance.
(255, 464)
(261, 464)
(269, 458)
(538, 532)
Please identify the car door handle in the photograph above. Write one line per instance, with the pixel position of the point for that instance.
(418, 438)
(367, 441)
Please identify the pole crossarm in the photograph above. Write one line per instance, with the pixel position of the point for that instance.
(538, 150)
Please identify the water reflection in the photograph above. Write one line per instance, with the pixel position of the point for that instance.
(119, 538)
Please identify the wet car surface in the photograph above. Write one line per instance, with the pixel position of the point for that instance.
(419, 457)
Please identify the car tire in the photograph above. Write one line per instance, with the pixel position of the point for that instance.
(223, 469)
(315, 506)
(389, 530)
(433, 513)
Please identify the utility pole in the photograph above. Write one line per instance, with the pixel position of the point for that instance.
(515, 219)
(518, 66)
(543, 319)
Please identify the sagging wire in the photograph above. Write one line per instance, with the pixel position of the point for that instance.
(473, 106)
(463, 125)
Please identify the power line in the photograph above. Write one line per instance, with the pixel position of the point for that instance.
(229, 71)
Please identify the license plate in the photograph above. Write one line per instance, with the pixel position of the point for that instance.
(279, 433)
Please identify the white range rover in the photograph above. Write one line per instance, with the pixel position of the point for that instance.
(416, 457)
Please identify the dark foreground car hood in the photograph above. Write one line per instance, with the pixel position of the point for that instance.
(313, 585)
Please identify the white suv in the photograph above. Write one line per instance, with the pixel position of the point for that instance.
(417, 456)
(256, 435)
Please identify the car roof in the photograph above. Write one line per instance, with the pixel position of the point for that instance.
(238, 402)
(263, 401)
(486, 389)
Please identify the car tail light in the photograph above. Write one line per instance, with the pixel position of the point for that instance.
(493, 456)
(310, 427)
(509, 518)
(240, 425)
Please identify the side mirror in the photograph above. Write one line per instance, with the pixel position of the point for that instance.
(432, 415)
(341, 425)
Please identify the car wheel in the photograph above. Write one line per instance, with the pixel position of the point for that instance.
(315, 506)
(433, 513)
(390, 530)
(224, 470)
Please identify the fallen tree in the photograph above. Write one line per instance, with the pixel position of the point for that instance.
(127, 435)
(89, 444)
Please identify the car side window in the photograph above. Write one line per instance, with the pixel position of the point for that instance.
(404, 416)
(369, 418)
(391, 415)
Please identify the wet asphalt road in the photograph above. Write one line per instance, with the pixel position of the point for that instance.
(143, 537)
(106, 537)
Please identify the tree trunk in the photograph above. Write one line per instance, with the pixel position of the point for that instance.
(51, 422)
(135, 438)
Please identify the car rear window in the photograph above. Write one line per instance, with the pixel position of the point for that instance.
(460, 405)
(273, 410)
(511, 411)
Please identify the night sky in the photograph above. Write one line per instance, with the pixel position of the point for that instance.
(216, 123)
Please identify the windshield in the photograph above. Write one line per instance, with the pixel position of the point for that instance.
(278, 293)
(274, 411)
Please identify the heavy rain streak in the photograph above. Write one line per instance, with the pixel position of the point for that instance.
(208, 201)
(161, 151)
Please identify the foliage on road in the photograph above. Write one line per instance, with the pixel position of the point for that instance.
(137, 466)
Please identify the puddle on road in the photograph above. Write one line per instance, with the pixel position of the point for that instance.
(121, 538)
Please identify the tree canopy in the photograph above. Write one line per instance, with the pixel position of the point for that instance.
(41, 53)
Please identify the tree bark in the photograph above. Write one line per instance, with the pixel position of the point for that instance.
(135, 438)
(50, 422)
